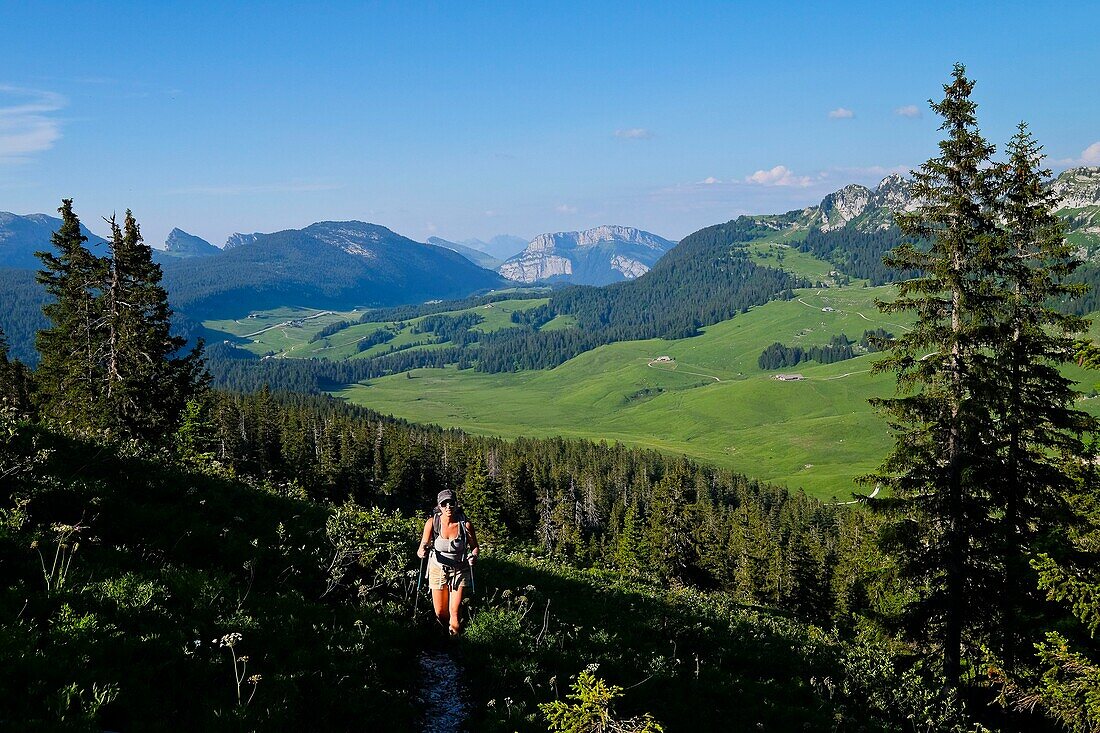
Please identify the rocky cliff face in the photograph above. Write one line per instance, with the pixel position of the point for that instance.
(1078, 188)
(596, 256)
(862, 208)
(181, 244)
(236, 240)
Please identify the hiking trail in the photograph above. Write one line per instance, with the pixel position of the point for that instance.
(442, 697)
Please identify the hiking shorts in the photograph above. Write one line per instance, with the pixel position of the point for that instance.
(442, 576)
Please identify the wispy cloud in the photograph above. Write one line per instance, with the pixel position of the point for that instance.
(27, 124)
(911, 111)
(710, 181)
(565, 209)
(841, 113)
(633, 133)
(780, 175)
(249, 189)
(1088, 156)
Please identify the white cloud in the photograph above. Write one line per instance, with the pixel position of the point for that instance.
(911, 111)
(780, 175)
(1091, 154)
(633, 133)
(841, 113)
(1088, 156)
(26, 122)
(565, 209)
(710, 181)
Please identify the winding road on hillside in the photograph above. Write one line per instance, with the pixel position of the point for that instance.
(895, 325)
(286, 323)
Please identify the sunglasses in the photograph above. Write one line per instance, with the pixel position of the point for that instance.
(448, 502)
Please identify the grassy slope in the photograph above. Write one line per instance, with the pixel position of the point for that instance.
(293, 341)
(818, 434)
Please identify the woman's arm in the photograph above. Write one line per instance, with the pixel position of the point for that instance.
(471, 540)
(425, 539)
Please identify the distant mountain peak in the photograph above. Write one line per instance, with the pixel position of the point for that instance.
(1078, 188)
(596, 256)
(479, 257)
(182, 244)
(238, 239)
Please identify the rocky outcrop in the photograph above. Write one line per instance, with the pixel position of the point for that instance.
(628, 267)
(841, 207)
(236, 240)
(1077, 188)
(536, 266)
(595, 256)
(181, 244)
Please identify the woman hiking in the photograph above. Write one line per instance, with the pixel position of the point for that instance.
(449, 538)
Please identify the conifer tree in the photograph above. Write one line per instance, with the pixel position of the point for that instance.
(478, 500)
(69, 378)
(939, 525)
(1037, 429)
(15, 380)
(148, 382)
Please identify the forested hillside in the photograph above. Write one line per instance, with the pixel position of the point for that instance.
(328, 264)
(707, 278)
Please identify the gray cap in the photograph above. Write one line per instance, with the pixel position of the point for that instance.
(444, 495)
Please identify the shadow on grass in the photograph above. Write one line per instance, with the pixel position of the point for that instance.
(695, 661)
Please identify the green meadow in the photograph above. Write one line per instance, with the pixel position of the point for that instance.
(710, 400)
(287, 332)
(707, 398)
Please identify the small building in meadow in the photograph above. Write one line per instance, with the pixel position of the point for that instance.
(789, 377)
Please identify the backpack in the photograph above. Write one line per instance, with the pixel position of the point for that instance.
(437, 520)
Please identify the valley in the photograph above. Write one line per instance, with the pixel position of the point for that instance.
(711, 401)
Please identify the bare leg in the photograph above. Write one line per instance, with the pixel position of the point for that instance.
(439, 600)
(456, 603)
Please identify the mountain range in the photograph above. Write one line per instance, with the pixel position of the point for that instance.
(347, 264)
(22, 236)
(479, 257)
(328, 265)
(598, 256)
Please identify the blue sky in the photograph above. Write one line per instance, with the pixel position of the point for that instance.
(468, 120)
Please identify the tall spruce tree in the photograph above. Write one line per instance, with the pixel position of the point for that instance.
(147, 380)
(69, 378)
(988, 445)
(939, 525)
(1036, 427)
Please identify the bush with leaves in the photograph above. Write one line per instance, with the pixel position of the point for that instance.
(591, 710)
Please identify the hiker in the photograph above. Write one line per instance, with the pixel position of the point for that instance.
(450, 541)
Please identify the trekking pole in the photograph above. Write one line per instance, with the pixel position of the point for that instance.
(419, 577)
(473, 588)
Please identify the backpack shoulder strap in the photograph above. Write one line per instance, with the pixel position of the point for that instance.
(436, 515)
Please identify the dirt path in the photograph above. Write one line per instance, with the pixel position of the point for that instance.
(895, 325)
(842, 376)
(872, 495)
(442, 697)
(679, 371)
